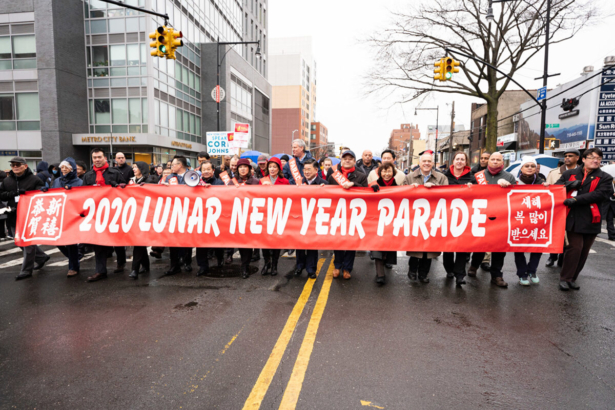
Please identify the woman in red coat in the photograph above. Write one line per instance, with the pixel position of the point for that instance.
(274, 176)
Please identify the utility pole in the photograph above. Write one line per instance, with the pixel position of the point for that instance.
(450, 138)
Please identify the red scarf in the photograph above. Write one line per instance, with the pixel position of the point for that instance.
(596, 217)
(389, 182)
(345, 171)
(99, 174)
(495, 171)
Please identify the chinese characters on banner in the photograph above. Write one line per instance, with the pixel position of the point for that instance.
(530, 218)
(45, 217)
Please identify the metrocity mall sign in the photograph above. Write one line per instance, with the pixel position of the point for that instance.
(136, 139)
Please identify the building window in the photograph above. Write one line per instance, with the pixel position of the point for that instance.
(23, 107)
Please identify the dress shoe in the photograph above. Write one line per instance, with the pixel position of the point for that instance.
(97, 276)
(134, 275)
(450, 275)
(173, 270)
(72, 273)
(499, 282)
(229, 260)
(312, 275)
(299, 270)
(274, 269)
(143, 270)
(380, 280)
(40, 265)
(472, 271)
(460, 281)
(424, 280)
(156, 255)
(573, 286)
(23, 275)
(388, 266)
(412, 276)
(266, 268)
(336, 273)
(550, 263)
(119, 269)
(245, 273)
(188, 268)
(485, 266)
(202, 271)
(347, 275)
(563, 286)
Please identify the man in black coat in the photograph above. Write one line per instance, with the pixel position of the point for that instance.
(125, 169)
(20, 180)
(344, 260)
(587, 189)
(42, 172)
(102, 174)
(308, 259)
(366, 164)
(483, 163)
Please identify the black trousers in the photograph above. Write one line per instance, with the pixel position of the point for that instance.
(101, 253)
(307, 260)
(268, 254)
(179, 255)
(477, 259)
(575, 255)
(420, 265)
(140, 258)
(456, 263)
(497, 263)
(2, 229)
(246, 257)
(610, 214)
(202, 256)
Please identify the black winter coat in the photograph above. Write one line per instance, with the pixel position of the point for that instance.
(317, 181)
(464, 179)
(13, 185)
(112, 176)
(126, 171)
(358, 177)
(477, 168)
(579, 218)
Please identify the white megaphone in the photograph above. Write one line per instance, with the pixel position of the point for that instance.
(191, 178)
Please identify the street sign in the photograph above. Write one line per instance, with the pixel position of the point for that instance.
(605, 118)
(218, 94)
(542, 94)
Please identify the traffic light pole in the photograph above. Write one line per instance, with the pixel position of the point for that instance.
(128, 6)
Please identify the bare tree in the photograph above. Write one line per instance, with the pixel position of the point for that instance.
(407, 49)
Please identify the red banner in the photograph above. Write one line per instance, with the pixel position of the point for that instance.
(448, 218)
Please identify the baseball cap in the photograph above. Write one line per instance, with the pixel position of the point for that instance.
(262, 159)
(348, 152)
(19, 160)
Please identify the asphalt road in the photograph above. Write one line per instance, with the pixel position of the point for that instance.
(222, 342)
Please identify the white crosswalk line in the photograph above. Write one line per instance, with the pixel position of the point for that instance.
(19, 261)
(65, 261)
(10, 251)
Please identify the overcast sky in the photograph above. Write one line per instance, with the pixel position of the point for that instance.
(337, 28)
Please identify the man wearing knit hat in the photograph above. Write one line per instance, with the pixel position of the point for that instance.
(261, 171)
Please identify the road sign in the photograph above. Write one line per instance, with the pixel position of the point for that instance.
(218, 94)
(542, 94)
(605, 118)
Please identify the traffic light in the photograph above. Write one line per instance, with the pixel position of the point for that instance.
(160, 43)
(450, 68)
(568, 104)
(173, 42)
(439, 71)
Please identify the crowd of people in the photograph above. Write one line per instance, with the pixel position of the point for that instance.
(590, 198)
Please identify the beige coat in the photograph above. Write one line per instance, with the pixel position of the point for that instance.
(436, 178)
(399, 177)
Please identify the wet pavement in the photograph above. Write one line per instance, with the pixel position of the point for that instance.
(221, 342)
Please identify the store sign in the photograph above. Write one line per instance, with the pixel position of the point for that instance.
(114, 139)
(605, 118)
(181, 144)
(8, 153)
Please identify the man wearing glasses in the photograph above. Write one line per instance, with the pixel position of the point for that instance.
(20, 180)
(587, 188)
(571, 161)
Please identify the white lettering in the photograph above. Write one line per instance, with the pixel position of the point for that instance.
(439, 219)
(458, 227)
(131, 205)
(322, 217)
(240, 215)
(116, 204)
(478, 218)
(307, 212)
(145, 226)
(387, 212)
(197, 216)
(420, 218)
(179, 216)
(359, 210)
(214, 209)
(403, 218)
(90, 206)
(339, 219)
(277, 215)
(103, 207)
(160, 221)
(256, 215)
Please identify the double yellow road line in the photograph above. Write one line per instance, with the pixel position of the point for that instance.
(293, 389)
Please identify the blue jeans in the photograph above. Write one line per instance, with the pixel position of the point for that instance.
(72, 253)
(307, 260)
(523, 267)
(344, 260)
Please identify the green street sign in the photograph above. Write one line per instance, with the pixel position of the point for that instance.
(551, 125)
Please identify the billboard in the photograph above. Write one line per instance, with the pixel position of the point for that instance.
(571, 127)
(605, 118)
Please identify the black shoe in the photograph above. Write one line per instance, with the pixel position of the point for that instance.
(424, 280)
(156, 255)
(312, 275)
(380, 280)
(134, 275)
(412, 276)
(119, 269)
(245, 273)
(460, 281)
(298, 271)
(188, 268)
(573, 285)
(266, 268)
(485, 266)
(550, 262)
(174, 270)
(274, 269)
(563, 286)
(450, 275)
(40, 265)
(97, 276)
(202, 272)
(388, 266)
(23, 275)
(143, 270)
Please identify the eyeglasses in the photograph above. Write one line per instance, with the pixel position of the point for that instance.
(593, 158)
(16, 165)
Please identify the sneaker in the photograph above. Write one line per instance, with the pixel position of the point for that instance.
(524, 281)
(534, 278)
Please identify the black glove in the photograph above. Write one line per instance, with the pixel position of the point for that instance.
(142, 183)
(122, 185)
(67, 187)
(6, 195)
(375, 187)
(113, 184)
(570, 202)
(43, 189)
(573, 185)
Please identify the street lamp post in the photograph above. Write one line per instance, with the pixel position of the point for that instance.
(545, 75)
(437, 109)
(219, 62)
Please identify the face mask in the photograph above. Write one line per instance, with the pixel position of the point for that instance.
(55, 172)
